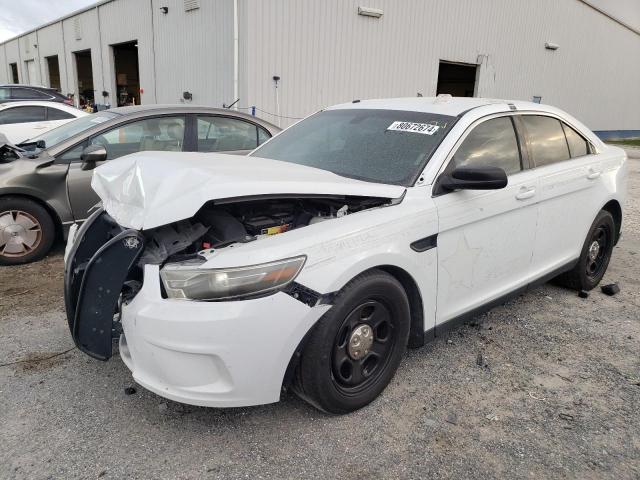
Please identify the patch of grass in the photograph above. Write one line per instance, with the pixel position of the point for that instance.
(632, 142)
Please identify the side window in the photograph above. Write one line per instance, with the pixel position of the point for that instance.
(263, 135)
(56, 114)
(547, 143)
(5, 94)
(28, 94)
(223, 134)
(159, 134)
(21, 115)
(492, 143)
(73, 154)
(578, 146)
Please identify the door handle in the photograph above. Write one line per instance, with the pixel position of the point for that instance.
(593, 173)
(525, 192)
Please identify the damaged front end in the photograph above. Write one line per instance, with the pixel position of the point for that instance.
(104, 265)
(96, 270)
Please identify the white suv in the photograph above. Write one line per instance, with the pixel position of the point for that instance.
(313, 263)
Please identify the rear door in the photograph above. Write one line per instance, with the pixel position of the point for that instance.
(161, 133)
(568, 171)
(486, 238)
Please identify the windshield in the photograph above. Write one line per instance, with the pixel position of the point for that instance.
(68, 130)
(384, 146)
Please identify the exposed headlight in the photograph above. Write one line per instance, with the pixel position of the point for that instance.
(187, 281)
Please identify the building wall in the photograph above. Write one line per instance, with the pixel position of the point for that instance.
(194, 51)
(325, 54)
(126, 21)
(81, 32)
(12, 52)
(50, 42)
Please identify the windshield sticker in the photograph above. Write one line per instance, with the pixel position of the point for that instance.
(99, 119)
(424, 128)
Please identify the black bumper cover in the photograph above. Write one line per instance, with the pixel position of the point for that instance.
(98, 264)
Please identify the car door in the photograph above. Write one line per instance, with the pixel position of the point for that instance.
(568, 174)
(217, 133)
(18, 123)
(159, 133)
(485, 238)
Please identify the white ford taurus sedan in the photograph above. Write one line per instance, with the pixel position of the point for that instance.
(315, 261)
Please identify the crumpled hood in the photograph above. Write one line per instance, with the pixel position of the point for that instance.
(149, 189)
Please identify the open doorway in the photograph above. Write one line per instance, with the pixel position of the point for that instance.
(457, 79)
(14, 73)
(125, 60)
(84, 71)
(53, 69)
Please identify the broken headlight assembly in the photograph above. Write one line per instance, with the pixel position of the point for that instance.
(186, 280)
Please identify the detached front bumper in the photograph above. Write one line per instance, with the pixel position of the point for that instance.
(217, 354)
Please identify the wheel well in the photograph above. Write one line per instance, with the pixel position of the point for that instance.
(613, 207)
(52, 213)
(416, 331)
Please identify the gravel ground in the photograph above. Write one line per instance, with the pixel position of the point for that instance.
(546, 386)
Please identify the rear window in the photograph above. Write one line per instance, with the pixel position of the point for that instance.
(547, 142)
(384, 146)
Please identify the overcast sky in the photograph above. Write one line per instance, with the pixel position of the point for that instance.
(17, 16)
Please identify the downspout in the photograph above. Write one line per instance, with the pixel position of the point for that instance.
(6, 63)
(236, 53)
(104, 87)
(153, 53)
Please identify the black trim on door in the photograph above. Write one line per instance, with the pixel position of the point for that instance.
(190, 133)
(521, 138)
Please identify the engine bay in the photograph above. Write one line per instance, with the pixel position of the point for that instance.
(219, 224)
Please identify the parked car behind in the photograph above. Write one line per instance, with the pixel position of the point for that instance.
(43, 192)
(20, 121)
(15, 92)
(360, 230)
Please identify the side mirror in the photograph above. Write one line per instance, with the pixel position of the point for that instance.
(92, 155)
(474, 178)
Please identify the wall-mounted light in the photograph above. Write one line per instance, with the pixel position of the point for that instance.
(370, 12)
(551, 46)
(164, 10)
(187, 96)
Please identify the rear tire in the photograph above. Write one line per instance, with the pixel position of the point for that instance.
(27, 231)
(356, 347)
(595, 256)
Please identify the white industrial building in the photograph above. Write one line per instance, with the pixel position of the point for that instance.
(292, 57)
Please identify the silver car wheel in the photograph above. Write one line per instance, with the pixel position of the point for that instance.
(20, 233)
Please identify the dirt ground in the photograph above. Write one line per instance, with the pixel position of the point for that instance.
(546, 386)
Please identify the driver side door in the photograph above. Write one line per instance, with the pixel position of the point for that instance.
(486, 237)
(164, 133)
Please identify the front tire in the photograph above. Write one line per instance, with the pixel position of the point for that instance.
(356, 347)
(595, 255)
(27, 231)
